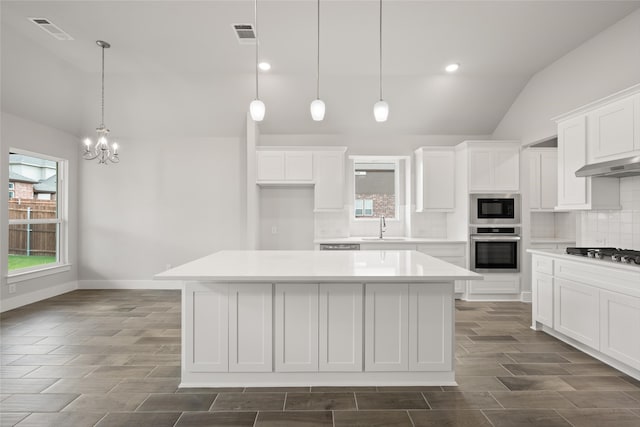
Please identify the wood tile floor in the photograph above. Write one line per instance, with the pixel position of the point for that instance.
(111, 358)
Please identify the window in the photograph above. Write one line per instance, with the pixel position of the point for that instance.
(37, 222)
(375, 189)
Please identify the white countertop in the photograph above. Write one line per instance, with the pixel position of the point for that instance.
(559, 253)
(318, 266)
(552, 240)
(386, 239)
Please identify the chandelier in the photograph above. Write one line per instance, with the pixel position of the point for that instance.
(101, 150)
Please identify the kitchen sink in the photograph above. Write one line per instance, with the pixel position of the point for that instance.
(385, 239)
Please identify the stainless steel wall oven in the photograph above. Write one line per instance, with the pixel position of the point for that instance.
(495, 249)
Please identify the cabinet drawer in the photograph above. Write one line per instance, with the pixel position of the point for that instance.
(597, 275)
(443, 250)
(543, 264)
(495, 285)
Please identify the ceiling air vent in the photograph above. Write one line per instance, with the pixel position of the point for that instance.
(51, 28)
(245, 33)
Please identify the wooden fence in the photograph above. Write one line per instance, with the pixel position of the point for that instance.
(35, 239)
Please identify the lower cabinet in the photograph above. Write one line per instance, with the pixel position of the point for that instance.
(576, 311)
(619, 325)
(542, 290)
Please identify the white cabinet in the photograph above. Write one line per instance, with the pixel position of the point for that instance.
(250, 327)
(296, 327)
(435, 179)
(340, 340)
(495, 285)
(542, 286)
(614, 130)
(495, 168)
(430, 346)
(208, 328)
(575, 311)
(543, 179)
(284, 166)
(328, 169)
(619, 325)
(386, 327)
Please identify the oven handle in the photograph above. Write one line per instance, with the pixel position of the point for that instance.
(481, 238)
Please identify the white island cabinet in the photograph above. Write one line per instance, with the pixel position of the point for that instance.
(341, 318)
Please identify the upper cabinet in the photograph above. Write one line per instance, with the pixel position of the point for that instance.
(614, 130)
(607, 129)
(494, 167)
(435, 179)
(322, 167)
(284, 166)
(543, 179)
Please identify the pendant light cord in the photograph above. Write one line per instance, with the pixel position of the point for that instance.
(255, 11)
(318, 62)
(380, 50)
(102, 116)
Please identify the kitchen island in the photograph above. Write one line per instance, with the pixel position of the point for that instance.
(317, 318)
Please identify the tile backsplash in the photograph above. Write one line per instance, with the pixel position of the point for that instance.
(616, 228)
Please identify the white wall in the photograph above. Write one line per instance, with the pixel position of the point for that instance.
(24, 134)
(607, 63)
(166, 202)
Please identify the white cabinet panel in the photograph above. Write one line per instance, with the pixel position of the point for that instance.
(611, 131)
(435, 179)
(534, 180)
(270, 165)
(548, 179)
(298, 165)
(341, 327)
(430, 345)
(495, 284)
(575, 311)
(250, 327)
(494, 169)
(507, 169)
(572, 155)
(481, 170)
(206, 348)
(619, 325)
(329, 177)
(386, 327)
(542, 286)
(296, 327)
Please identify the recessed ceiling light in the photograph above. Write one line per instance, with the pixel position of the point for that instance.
(264, 66)
(452, 68)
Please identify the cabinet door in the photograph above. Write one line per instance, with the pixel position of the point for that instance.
(438, 181)
(250, 327)
(542, 286)
(572, 155)
(430, 327)
(619, 325)
(575, 311)
(386, 327)
(611, 131)
(481, 170)
(329, 177)
(298, 165)
(534, 180)
(270, 165)
(341, 327)
(548, 179)
(206, 348)
(506, 163)
(296, 327)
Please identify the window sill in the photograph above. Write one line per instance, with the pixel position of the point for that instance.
(21, 276)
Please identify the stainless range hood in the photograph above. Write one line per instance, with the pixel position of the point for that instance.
(621, 168)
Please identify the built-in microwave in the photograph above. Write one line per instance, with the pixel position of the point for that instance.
(494, 209)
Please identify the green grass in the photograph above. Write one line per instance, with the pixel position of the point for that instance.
(23, 261)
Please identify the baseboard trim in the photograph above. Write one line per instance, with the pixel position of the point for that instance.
(129, 284)
(35, 296)
(526, 296)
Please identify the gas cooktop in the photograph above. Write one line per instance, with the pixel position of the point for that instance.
(628, 256)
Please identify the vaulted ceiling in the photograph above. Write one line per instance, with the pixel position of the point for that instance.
(176, 68)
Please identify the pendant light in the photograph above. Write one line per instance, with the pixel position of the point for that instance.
(101, 151)
(317, 105)
(381, 108)
(257, 107)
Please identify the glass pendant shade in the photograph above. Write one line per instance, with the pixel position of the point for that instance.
(381, 111)
(257, 110)
(317, 110)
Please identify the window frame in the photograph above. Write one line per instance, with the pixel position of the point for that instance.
(396, 177)
(61, 220)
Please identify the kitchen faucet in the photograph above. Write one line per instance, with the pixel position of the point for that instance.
(383, 226)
